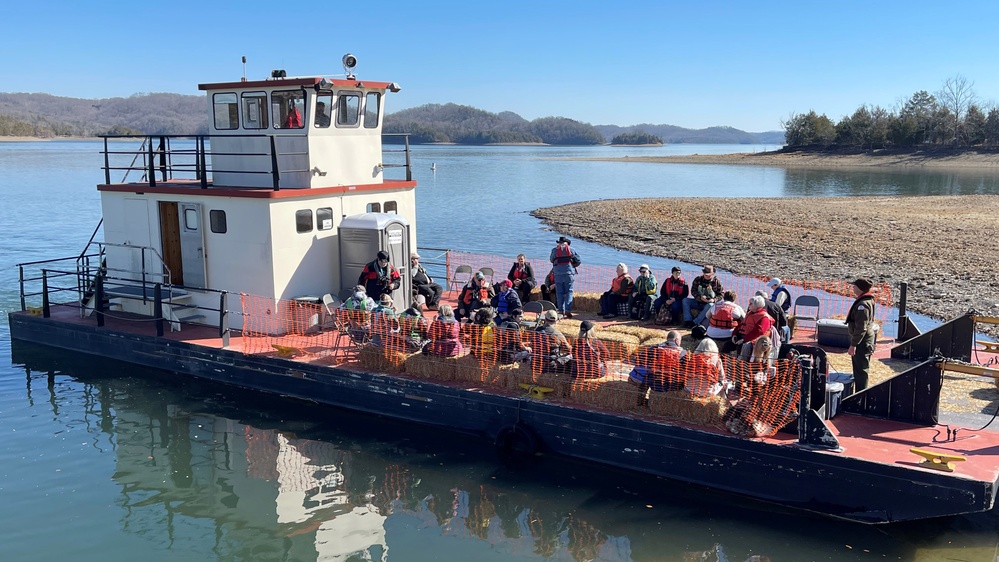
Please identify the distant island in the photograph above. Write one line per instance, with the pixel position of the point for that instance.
(25, 115)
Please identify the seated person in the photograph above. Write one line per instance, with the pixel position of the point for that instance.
(552, 352)
(724, 317)
(780, 319)
(591, 354)
(620, 290)
(483, 342)
(548, 287)
(780, 294)
(473, 296)
(444, 334)
(707, 372)
(359, 300)
(522, 277)
(675, 289)
(704, 292)
(757, 323)
(423, 284)
(643, 294)
(357, 314)
(413, 326)
(505, 300)
(384, 325)
(513, 348)
(322, 117)
(658, 366)
(379, 276)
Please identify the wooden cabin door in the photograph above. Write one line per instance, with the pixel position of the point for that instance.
(170, 240)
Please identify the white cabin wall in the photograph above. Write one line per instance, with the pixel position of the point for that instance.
(304, 264)
(240, 259)
(347, 156)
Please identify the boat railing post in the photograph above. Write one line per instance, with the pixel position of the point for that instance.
(903, 317)
(162, 150)
(158, 308)
(224, 318)
(20, 282)
(275, 174)
(107, 163)
(46, 312)
(805, 399)
(99, 300)
(151, 163)
(202, 161)
(409, 167)
(447, 265)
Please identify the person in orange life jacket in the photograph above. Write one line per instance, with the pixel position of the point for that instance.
(548, 287)
(756, 324)
(591, 354)
(675, 289)
(473, 296)
(379, 277)
(505, 300)
(704, 292)
(725, 317)
(565, 261)
(620, 290)
(423, 284)
(294, 118)
(780, 319)
(643, 293)
(862, 331)
(780, 294)
(522, 277)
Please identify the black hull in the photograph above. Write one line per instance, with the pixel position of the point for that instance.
(818, 481)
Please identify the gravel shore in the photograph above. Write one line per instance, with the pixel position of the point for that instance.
(943, 246)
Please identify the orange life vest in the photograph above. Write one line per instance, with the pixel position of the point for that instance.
(563, 255)
(722, 316)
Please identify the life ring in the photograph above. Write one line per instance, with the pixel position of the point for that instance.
(517, 439)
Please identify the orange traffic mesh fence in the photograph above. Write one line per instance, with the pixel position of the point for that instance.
(835, 297)
(746, 398)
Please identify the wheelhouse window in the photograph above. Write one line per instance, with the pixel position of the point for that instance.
(371, 105)
(303, 221)
(391, 207)
(324, 218)
(348, 110)
(226, 110)
(216, 219)
(255, 110)
(288, 109)
(324, 105)
(374, 207)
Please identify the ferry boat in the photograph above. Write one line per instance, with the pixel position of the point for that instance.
(225, 258)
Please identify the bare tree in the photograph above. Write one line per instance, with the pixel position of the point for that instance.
(957, 95)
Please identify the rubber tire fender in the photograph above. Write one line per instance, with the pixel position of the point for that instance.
(518, 439)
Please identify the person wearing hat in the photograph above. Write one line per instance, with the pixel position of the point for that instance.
(513, 348)
(413, 326)
(505, 300)
(862, 331)
(705, 291)
(675, 289)
(640, 303)
(384, 324)
(379, 277)
(620, 290)
(423, 284)
(474, 295)
(359, 300)
(591, 354)
(780, 294)
(559, 350)
(565, 261)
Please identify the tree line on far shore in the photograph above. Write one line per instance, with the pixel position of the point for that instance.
(953, 116)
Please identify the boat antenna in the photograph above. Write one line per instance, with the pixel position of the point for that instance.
(244, 68)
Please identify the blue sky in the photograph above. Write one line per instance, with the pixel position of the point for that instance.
(693, 64)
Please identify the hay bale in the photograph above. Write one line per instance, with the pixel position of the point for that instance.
(612, 392)
(469, 369)
(439, 369)
(681, 405)
(381, 359)
(507, 375)
(586, 302)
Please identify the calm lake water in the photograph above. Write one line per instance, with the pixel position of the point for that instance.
(102, 461)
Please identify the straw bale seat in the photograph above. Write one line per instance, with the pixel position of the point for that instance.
(383, 359)
(681, 405)
(586, 302)
(611, 392)
(439, 369)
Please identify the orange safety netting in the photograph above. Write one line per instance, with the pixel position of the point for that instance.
(835, 297)
(747, 398)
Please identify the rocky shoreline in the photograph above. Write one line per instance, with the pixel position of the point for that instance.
(943, 246)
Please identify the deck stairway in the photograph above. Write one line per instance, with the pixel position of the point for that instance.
(177, 306)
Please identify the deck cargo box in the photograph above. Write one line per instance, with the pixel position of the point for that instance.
(832, 332)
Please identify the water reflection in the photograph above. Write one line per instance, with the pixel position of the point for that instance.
(843, 183)
(232, 475)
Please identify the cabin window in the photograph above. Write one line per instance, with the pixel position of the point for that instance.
(216, 219)
(255, 110)
(324, 218)
(226, 111)
(324, 105)
(191, 221)
(303, 220)
(371, 102)
(374, 207)
(288, 109)
(348, 109)
(391, 207)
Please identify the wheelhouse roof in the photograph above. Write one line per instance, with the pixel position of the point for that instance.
(295, 82)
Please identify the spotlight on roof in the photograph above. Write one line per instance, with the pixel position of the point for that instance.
(349, 62)
(279, 74)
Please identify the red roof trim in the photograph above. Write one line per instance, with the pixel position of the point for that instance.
(192, 188)
(279, 83)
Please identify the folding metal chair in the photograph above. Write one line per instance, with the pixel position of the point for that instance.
(809, 302)
(488, 272)
(462, 275)
(535, 308)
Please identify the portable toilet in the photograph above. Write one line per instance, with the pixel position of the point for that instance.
(362, 236)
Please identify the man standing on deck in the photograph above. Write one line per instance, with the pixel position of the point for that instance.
(862, 330)
(564, 262)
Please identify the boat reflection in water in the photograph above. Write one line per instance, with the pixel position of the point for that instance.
(245, 477)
